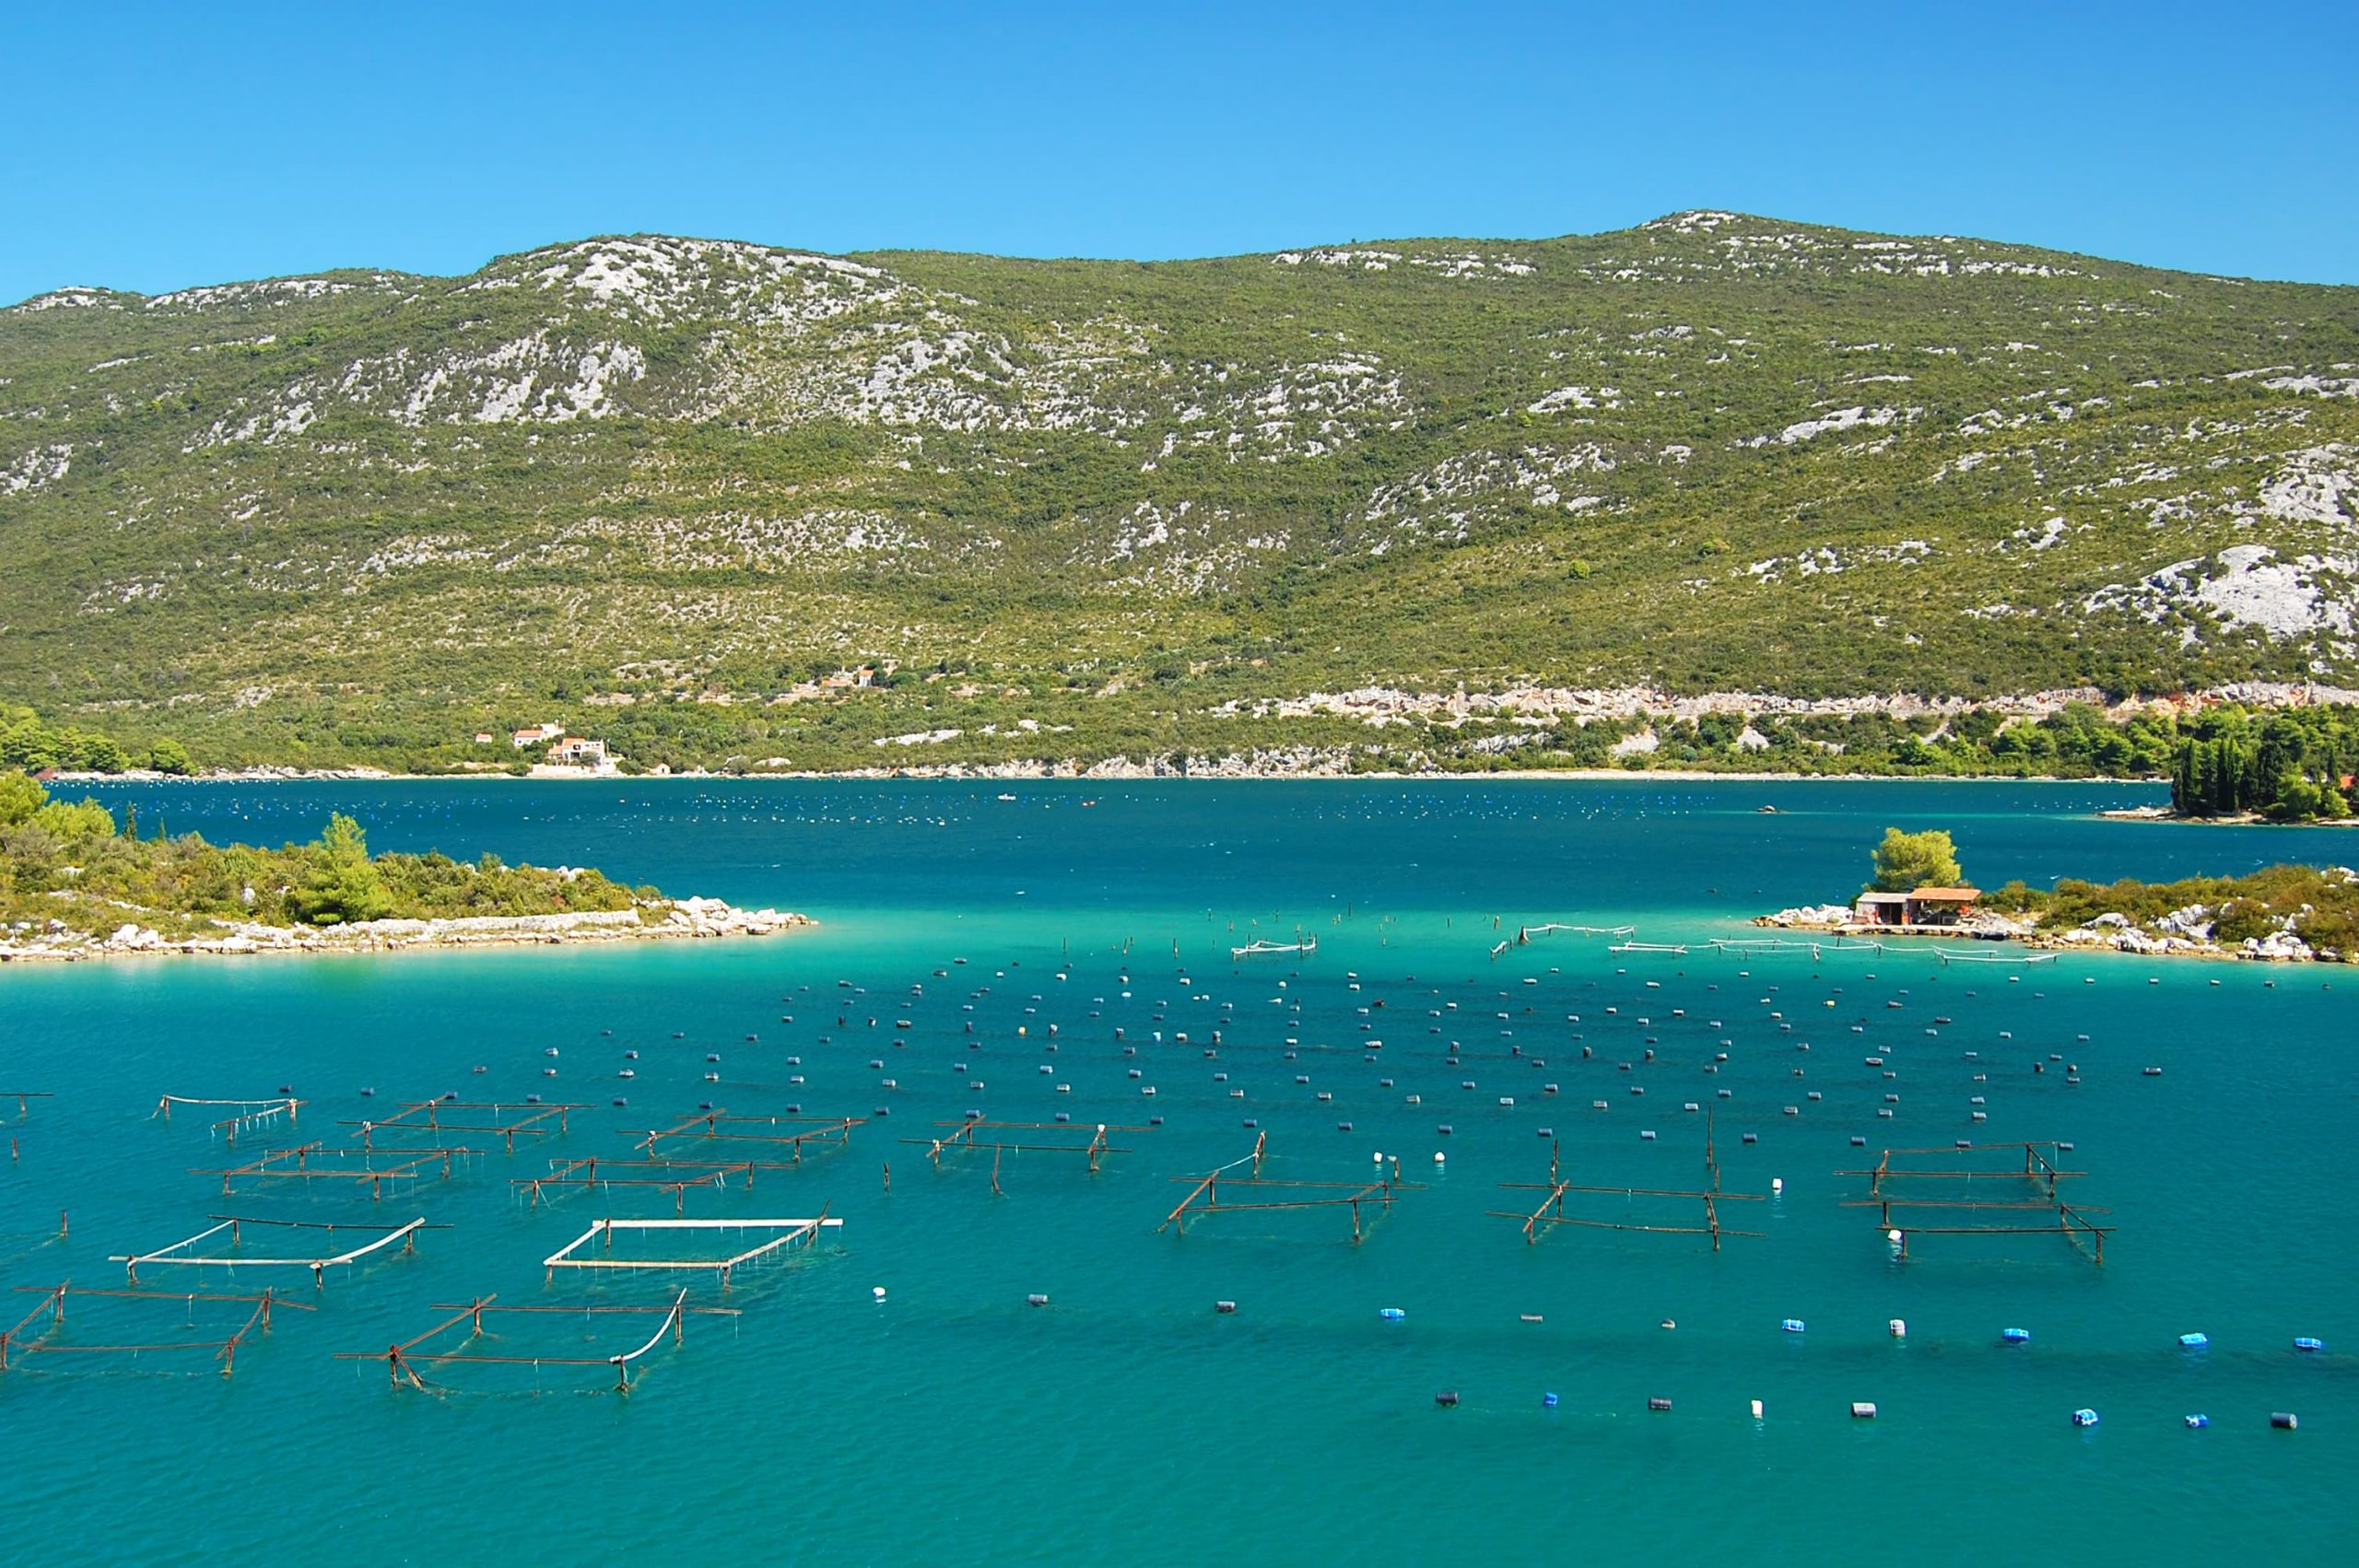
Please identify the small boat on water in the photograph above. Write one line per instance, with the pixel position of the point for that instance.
(1256, 948)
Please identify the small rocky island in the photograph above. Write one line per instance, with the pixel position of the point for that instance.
(76, 883)
(2282, 913)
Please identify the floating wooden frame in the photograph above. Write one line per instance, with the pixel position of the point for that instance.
(178, 1254)
(1551, 1209)
(505, 1120)
(243, 1113)
(2039, 1169)
(783, 1235)
(376, 1167)
(403, 1360)
(1204, 1196)
(16, 1343)
(720, 1126)
(970, 1134)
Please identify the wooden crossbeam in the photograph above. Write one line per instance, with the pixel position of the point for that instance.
(273, 1165)
(2039, 1169)
(403, 1358)
(1349, 1194)
(13, 1340)
(507, 1128)
(824, 1129)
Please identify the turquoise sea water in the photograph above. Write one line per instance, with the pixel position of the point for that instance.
(1127, 1422)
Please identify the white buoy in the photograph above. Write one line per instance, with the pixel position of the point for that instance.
(1776, 1184)
(1892, 1236)
(1899, 1328)
(878, 1293)
(1376, 1158)
(1440, 1158)
(1756, 1410)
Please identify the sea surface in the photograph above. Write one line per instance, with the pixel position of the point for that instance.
(1061, 953)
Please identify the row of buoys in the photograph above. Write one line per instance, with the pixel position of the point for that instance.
(1865, 1410)
(1899, 1328)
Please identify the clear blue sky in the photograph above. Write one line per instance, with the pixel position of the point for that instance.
(152, 147)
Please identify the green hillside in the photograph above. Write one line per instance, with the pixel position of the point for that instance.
(652, 488)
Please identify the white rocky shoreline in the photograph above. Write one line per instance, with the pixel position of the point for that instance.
(2182, 933)
(1287, 763)
(674, 919)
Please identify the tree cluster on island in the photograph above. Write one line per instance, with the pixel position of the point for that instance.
(2291, 766)
(72, 863)
(2318, 905)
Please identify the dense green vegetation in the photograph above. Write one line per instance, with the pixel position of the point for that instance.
(2080, 741)
(29, 746)
(2322, 904)
(73, 863)
(652, 488)
(1907, 862)
(2292, 766)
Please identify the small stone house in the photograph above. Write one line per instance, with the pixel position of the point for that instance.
(1925, 907)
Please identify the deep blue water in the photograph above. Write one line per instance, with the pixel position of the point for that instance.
(1127, 1420)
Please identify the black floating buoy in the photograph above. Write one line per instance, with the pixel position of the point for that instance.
(1155, 1121)
(1250, 1122)
(620, 1101)
(2284, 1421)
(367, 1094)
(1223, 1306)
(1342, 1126)
(1658, 1403)
(1447, 1398)
(1443, 1130)
(1036, 1299)
(1752, 1138)
(752, 1037)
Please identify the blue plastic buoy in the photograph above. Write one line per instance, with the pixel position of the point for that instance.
(2084, 1418)
(1792, 1325)
(1548, 1401)
(2195, 1341)
(1391, 1314)
(2015, 1335)
(2196, 1423)
(2311, 1346)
